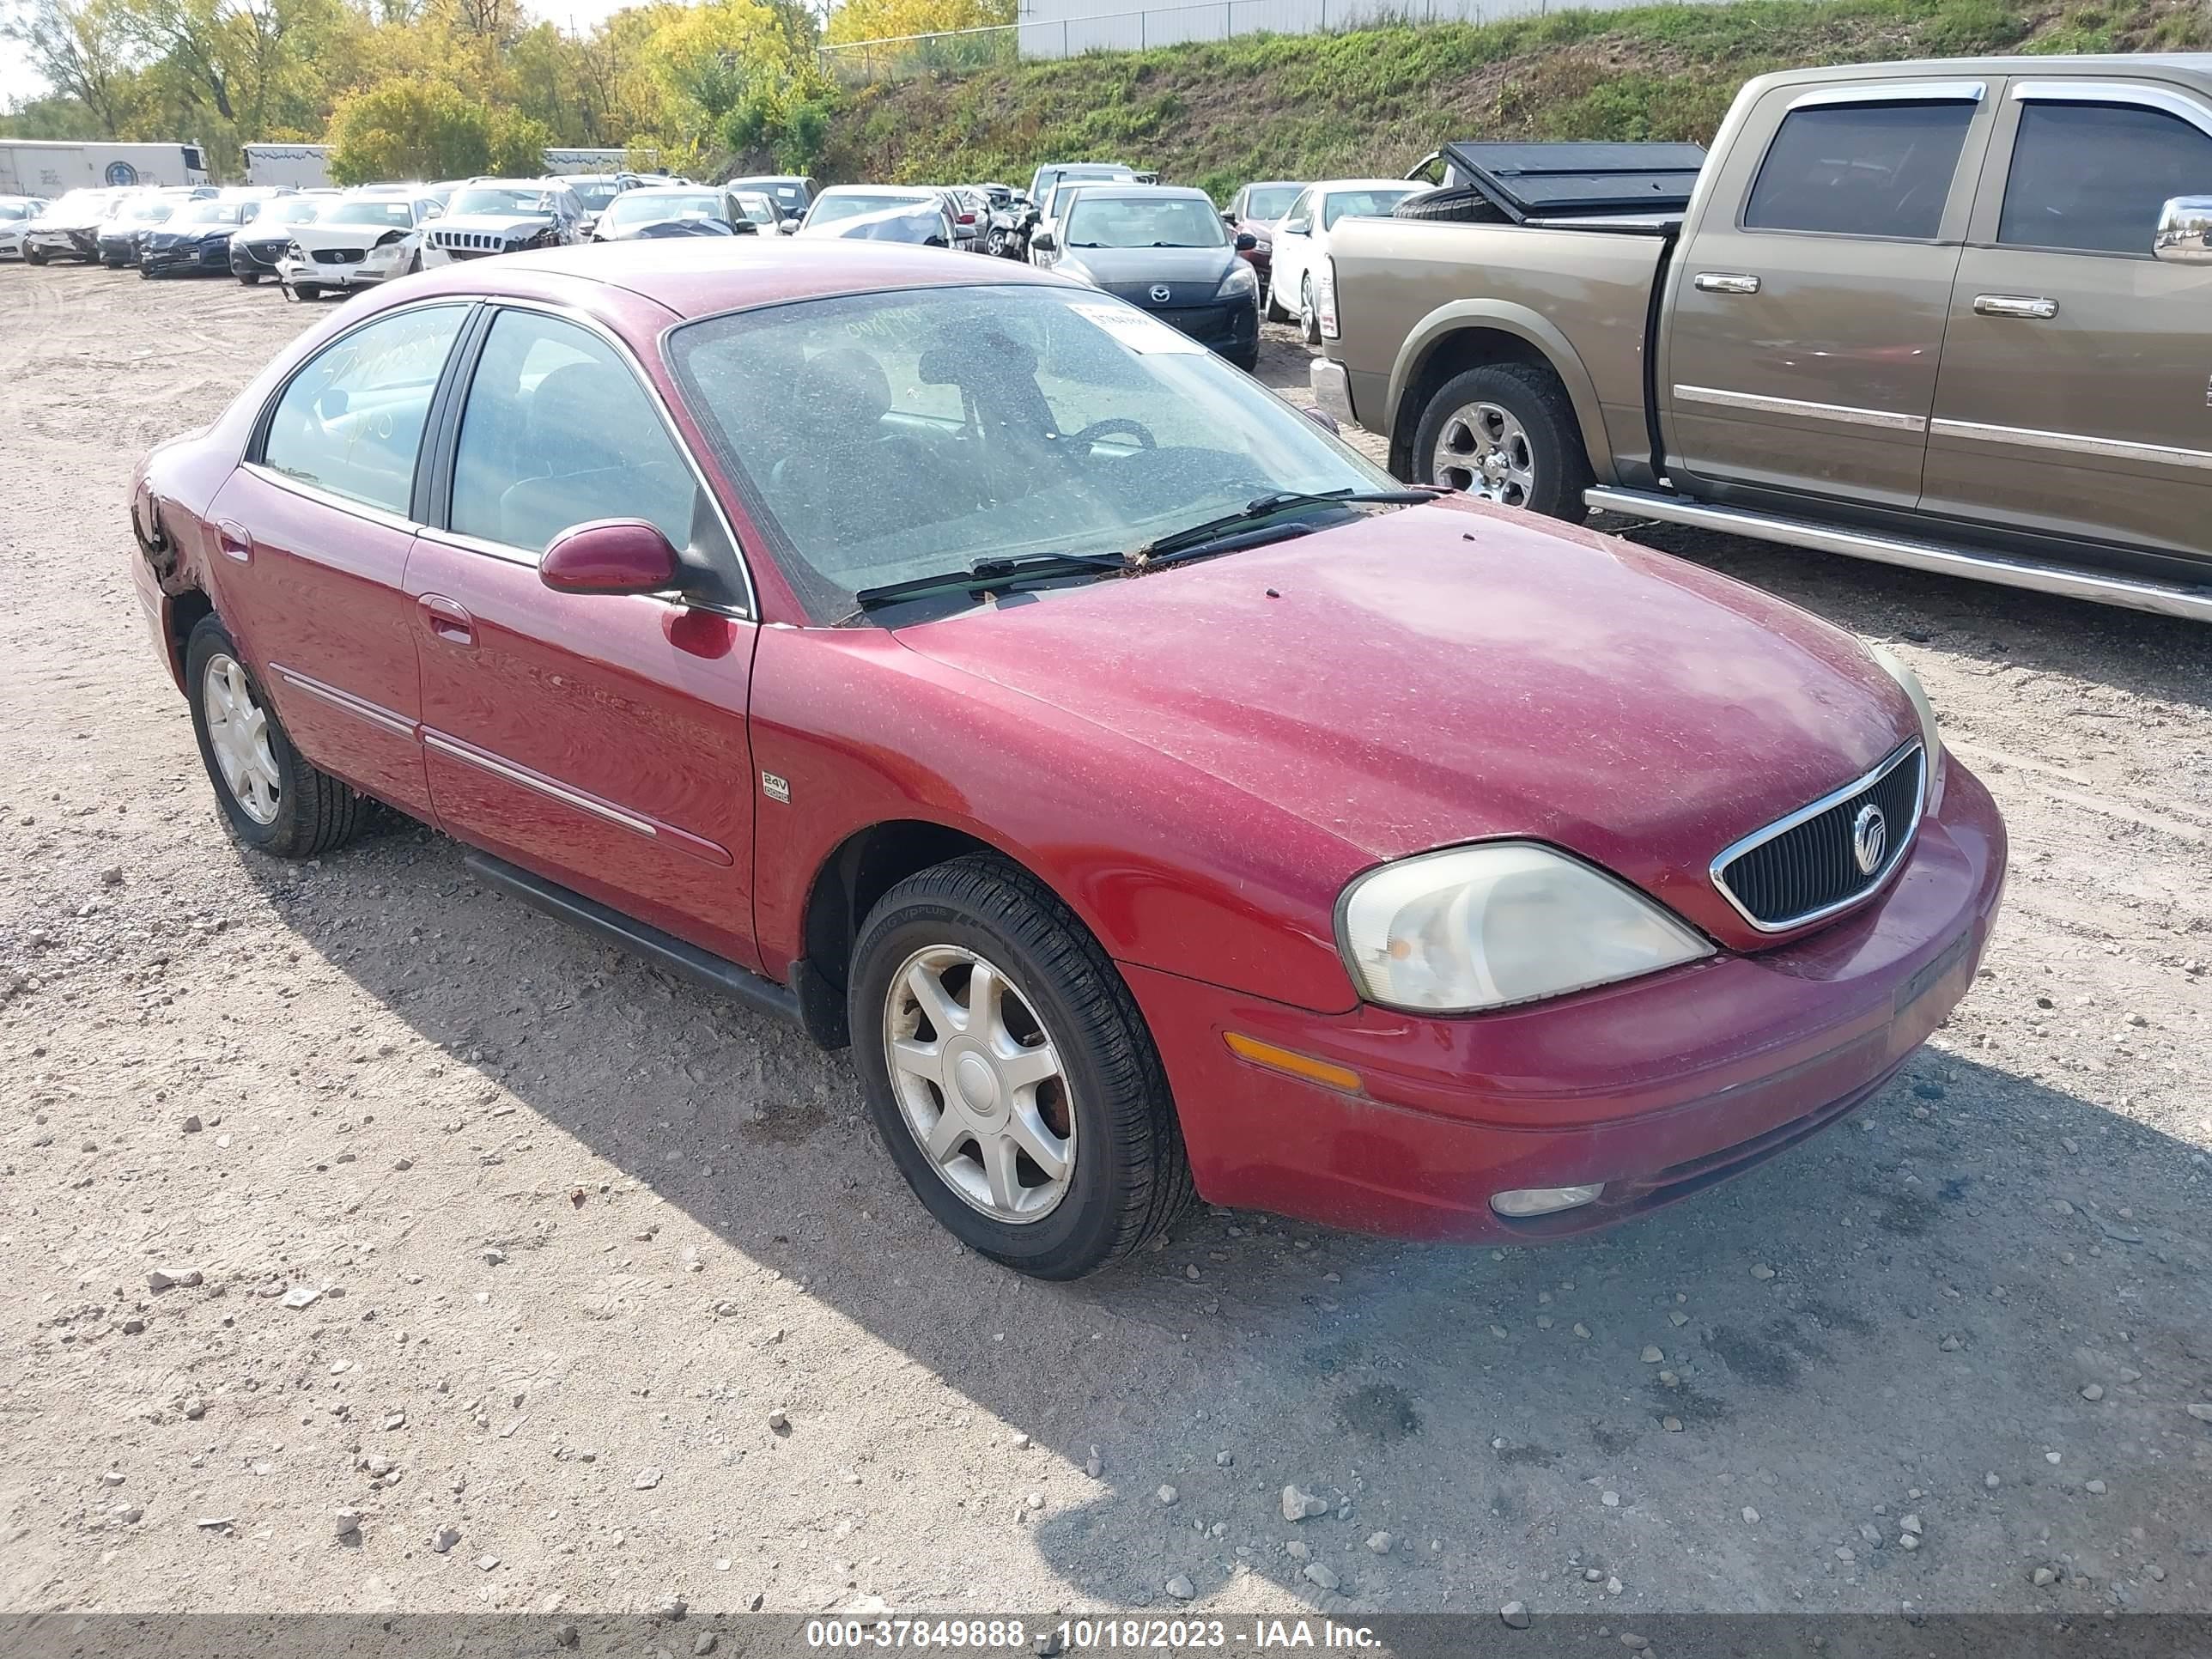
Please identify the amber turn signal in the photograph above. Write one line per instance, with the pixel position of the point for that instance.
(1291, 1062)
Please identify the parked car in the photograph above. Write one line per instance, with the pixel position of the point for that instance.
(793, 193)
(487, 216)
(68, 228)
(1165, 249)
(123, 234)
(1053, 172)
(761, 207)
(196, 238)
(666, 209)
(970, 209)
(1254, 212)
(1933, 315)
(16, 213)
(1048, 813)
(359, 240)
(597, 192)
(882, 213)
(1299, 250)
(256, 249)
(1051, 208)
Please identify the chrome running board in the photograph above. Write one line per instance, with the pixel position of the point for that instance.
(2070, 581)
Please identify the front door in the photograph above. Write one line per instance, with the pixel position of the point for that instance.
(314, 593)
(1805, 315)
(597, 739)
(2076, 391)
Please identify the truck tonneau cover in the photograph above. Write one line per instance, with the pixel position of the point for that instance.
(1558, 180)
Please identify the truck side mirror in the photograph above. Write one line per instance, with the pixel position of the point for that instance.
(2184, 231)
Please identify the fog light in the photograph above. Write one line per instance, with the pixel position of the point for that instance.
(1544, 1201)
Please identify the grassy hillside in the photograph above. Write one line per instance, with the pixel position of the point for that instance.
(1376, 101)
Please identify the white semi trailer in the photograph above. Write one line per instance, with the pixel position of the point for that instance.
(301, 166)
(41, 166)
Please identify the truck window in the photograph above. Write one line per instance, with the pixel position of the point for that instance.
(1877, 169)
(2092, 177)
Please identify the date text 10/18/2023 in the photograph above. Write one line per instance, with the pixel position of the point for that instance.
(1108, 1634)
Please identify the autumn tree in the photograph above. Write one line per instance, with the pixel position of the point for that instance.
(891, 20)
(409, 129)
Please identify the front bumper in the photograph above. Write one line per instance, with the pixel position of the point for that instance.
(1659, 1087)
(63, 244)
(118, 250)
(1222, 325)
(1332, 390)
(378, 265)
(189, 257)
(254, 258)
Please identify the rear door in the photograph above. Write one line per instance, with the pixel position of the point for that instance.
(598, 739)
(2076, 391)
(313, 530)
(1805, 311)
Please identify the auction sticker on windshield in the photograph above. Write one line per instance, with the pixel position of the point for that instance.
(1136, 330)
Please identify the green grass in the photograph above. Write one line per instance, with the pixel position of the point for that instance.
(1376, 101)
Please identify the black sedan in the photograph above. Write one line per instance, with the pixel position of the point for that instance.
(196, 238)
(255, 250)
(1163, 249)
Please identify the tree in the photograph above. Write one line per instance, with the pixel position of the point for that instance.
(518, 145)
(409, 129)
(892, 20)
(79, 47)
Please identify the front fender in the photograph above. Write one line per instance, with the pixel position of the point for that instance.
(1462, 316)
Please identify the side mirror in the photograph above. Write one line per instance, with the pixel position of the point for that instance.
(1321, 418)
(2184, 231)
(1295, 226)
(786, 226)
(1246, 241)
(1044, 242)
(609, 556)
(1228, 218)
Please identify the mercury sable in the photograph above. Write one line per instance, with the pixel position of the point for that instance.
(973, 668)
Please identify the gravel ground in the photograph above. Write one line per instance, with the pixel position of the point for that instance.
(515, 1274)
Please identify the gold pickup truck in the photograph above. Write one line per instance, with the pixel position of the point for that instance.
(1954, 315)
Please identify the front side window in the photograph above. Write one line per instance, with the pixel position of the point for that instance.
(1361, 204)
(1301, 211)
(1101, 221)
(2092, 177)
(557, 432)
(896, 434)
(1880, 169)
(594, 197)
(351, 419)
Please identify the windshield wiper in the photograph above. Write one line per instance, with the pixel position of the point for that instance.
(986, 575)
(1212, 530)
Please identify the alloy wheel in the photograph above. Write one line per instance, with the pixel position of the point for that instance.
(1484, 450)
(980, 1084)
(238, 733)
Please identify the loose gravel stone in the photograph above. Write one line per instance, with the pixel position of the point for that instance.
(1181, 1588)
(1515, 1615)
(2093, 1391)
(1300, 1505)
(445, 1538)
(1322, 1574)
(1166, 1494)
(1380, 1542)
(1651, 1356)
(647, 1479)
(348, 1523)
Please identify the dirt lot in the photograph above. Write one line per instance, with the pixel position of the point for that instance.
(578, 1230)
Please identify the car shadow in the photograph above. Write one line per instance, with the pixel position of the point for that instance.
(1569, 1414)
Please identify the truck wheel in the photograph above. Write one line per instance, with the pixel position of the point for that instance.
(1456, 204)
(1505, 432)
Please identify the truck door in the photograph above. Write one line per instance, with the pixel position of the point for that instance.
(1805, 312)
(2076, 398)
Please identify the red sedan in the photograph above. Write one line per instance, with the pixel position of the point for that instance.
(1157, 797)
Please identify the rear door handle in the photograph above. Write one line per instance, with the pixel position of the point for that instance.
(447, 620)
(2015, 304)
(234, 540)
(1726, 281)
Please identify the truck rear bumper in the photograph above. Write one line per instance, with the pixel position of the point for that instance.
(1332, 390)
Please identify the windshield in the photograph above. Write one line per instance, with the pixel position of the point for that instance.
(829, 209)
(640, 207)
(595, 197)
(79, 204)
(504, 202)
(896, 435)
(1362, 204)
(217, 213)
(1270, 202)
(150, 213)
(399, 214)
(295, 209)
(15, 209)
(759, 209)
(1100, 221)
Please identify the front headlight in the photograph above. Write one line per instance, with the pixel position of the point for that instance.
(1484, 926)
(1931, 737)
(1239, 282)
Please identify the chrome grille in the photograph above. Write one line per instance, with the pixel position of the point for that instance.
(338, 256)
(469, 242)
(1807, 866)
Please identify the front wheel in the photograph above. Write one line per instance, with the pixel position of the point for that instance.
(35, 255)
(249, 278)
(1010, 1073)
(307, 291)
(1309, 318)
(1505, 432)
(277, 801)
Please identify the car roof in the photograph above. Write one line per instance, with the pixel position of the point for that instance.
(698, 279)
(901, 192)
(1330, 186)
(1114, 189)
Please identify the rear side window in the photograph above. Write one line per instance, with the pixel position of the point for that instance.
(557, 433)
(2092, 177)
(1861, 169)
(351, 421)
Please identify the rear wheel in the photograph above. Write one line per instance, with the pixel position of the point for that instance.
(1309, 318)
(1505, 432)
(277, 801)
(1010, 1074)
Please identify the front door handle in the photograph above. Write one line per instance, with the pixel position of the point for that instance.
(1726, 281)
(2015, 304)
(235, 541)
(447, 620)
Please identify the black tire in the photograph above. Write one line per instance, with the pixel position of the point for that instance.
(34, 256)
(1534, 397)
(1309, 318)
(1248, 359)
(113, 265)
(1130, 1178)
(314, 812)
(306, 290)
(1456, 204)
(144, 275)
(249, 278)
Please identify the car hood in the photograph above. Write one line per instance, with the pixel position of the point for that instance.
(493, 224)
(1118, 270)
(66, 222)
(311, 237)
(1451, 673)
(162, 237)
